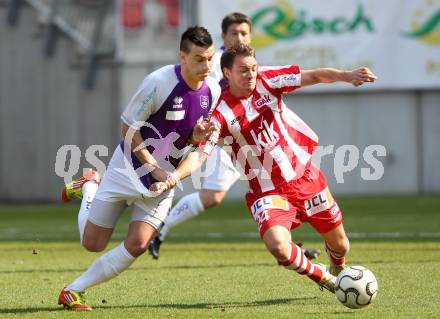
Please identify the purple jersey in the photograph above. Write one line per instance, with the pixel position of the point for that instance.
(166, 110)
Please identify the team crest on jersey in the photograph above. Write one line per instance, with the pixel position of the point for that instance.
(177, 102)
(204, 101)
(318, 203)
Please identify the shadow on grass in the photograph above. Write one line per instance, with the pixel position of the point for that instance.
(339, 313)
(221, 306)
(30, 310)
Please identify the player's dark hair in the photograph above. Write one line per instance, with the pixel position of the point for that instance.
(239, 49)
(235, 18)
(196, 35)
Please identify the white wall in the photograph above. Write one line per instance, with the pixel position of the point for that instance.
(44, 106)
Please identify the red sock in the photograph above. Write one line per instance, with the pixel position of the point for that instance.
(301, 264)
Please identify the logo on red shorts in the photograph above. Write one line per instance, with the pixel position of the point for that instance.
(318, 203)
(260, 207)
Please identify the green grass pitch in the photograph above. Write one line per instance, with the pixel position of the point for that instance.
(215, 266)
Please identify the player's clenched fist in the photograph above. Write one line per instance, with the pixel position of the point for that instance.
(361, 75)
(202, 131)
(160, 187)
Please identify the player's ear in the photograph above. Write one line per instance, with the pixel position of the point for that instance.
(182, 57)
(227, 73)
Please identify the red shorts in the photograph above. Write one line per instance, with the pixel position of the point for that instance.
(307, 199)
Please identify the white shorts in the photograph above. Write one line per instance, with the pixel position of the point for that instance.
(220, 172)
(120, 187)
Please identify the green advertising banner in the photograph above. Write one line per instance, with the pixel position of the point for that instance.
(398, 39)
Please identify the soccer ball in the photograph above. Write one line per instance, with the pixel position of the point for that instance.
(356, 287)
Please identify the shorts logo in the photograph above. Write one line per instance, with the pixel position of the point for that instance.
(319, 202)
(204, 101)
(261, 217)
(335, 210)
(269, 202)
(260, 207)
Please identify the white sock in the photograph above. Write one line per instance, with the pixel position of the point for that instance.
(188, 207)
(89, 190)
(106, 267)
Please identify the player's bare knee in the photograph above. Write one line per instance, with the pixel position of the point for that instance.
(211, 198)
(280, 250)
(94, 246)
(136, 247)
(344, 246)
(341, 246)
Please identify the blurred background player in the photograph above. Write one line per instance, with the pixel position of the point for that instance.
(285, 187)
(157, 125)
(221, 173)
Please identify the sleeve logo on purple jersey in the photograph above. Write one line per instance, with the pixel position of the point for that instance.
(177, 102)
(204, 101)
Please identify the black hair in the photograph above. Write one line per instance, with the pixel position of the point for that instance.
(196, 35)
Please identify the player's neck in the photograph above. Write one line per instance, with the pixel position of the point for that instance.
(194, 84)
(239, 93)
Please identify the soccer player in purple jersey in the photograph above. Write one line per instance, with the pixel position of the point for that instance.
(160, 122)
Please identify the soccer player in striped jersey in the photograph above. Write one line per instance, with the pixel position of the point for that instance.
(221, 172)
(160, 121)
(273, 148)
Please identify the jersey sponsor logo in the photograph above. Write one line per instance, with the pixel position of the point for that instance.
(290, 78)
(318, 203)
(175, 115)
(177, 102)
(267, 138)
(204, 101)
(262, 101)
(284, 80)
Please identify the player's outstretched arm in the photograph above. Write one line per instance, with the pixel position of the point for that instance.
(356, 77)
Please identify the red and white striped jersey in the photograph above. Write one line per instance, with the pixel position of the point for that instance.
(268, 143)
